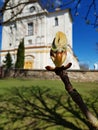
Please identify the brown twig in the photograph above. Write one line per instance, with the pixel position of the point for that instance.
(61, 71)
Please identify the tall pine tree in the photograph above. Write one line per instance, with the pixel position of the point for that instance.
(8, 61)
(20, 55)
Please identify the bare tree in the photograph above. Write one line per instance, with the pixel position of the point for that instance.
(87, 10)
(84, 66)
(14, 7)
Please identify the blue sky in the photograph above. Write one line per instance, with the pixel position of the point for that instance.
(85, 38)
(0, 36)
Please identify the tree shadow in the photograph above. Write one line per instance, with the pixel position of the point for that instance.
(38, 108)
(92, 102)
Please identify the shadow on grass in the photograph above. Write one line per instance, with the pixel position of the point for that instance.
(40, 109)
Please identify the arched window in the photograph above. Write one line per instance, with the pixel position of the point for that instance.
(56, 21)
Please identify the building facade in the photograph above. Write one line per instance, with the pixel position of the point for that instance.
(38, 28)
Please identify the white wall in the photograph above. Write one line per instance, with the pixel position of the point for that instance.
(44, 33)
(65, 25)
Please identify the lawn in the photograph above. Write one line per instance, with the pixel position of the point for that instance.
(82, 87)
(27, 104)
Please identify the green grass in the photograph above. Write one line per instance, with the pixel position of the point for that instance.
(17, 83)
(86, 88)
(82, 87)
(27, 104)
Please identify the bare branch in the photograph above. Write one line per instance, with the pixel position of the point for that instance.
(13, 18)
(91, 8)
(76, 8)
(7, 6)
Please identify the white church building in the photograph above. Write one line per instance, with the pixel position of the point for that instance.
(38, 28)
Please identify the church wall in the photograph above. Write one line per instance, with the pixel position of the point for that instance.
(40, 57)
(64, 25)
(37, 45)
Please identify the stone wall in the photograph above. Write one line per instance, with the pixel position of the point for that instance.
(83, 76)
(76, 75)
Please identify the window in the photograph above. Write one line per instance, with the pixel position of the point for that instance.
(56, 21)
(32, 9)
(30, 42)
(30, 29)
(12, 13)
(10, 44)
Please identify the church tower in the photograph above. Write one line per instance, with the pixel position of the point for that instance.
(38, 28)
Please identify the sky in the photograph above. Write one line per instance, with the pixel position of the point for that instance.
(85, 38)
(0, 36)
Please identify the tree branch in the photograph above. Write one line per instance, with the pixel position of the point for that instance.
(60, 71)
(6, 6)
(52, 6)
